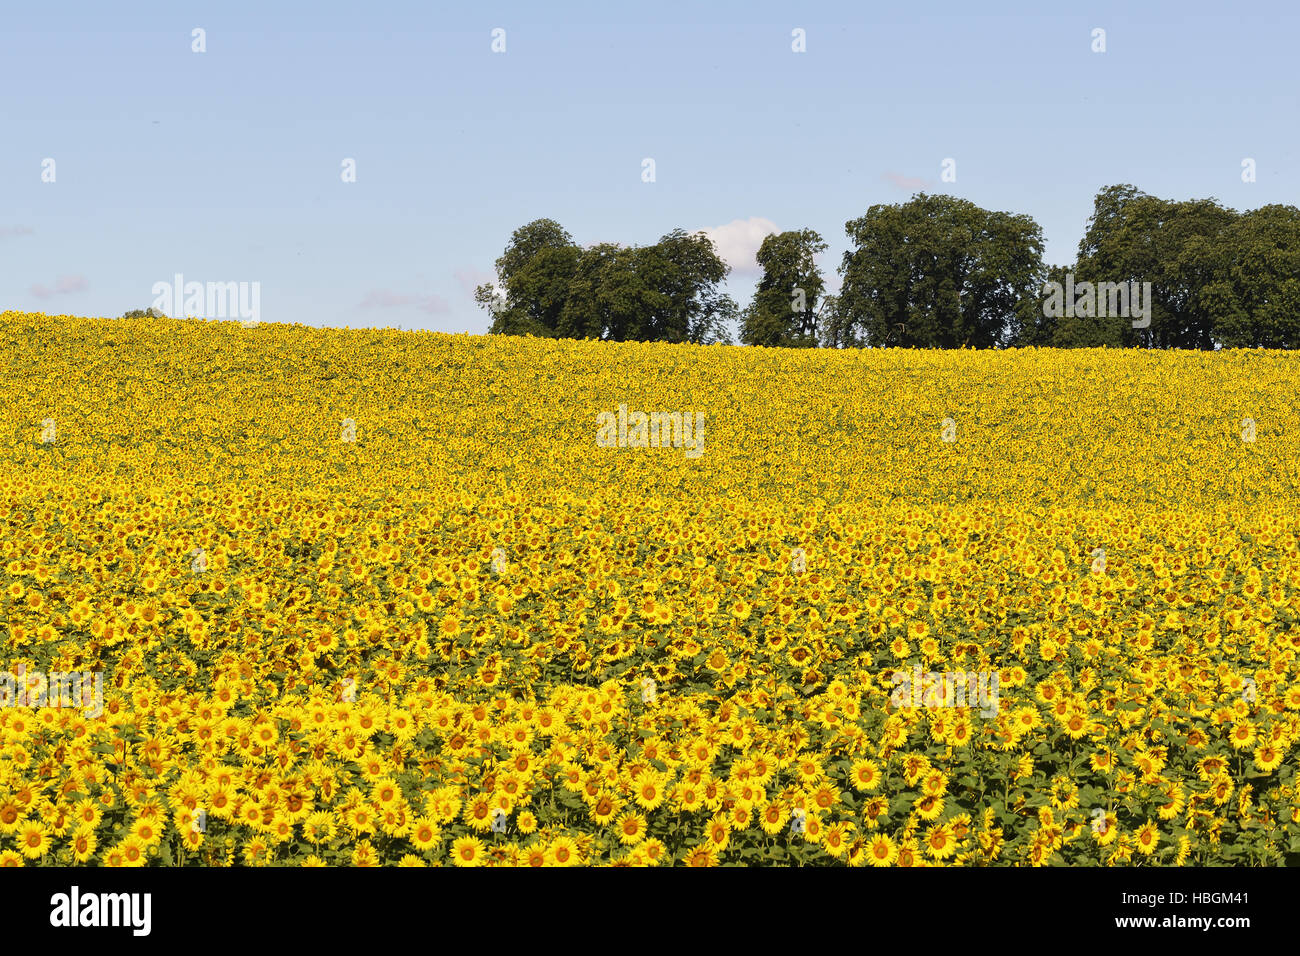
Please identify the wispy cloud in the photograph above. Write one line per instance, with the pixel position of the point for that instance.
(63, 285)
(907, 183)
(386, 299)
(7, 232)
(737, 242)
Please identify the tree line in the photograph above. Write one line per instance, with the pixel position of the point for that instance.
(933, 272)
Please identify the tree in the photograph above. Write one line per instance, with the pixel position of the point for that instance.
(1037, 329)
(535, 271)
(1254, 300)
(783, 311)
(835, 329)
(601, 294)
(939, 271)
(609, 297)
(667, 292)
(1086, 328)
(684, 271)
(149, 313)
(1176, 246)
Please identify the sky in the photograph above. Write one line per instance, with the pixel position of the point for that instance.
(228, 165)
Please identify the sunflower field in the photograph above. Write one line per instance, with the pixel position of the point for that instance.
(379, 598)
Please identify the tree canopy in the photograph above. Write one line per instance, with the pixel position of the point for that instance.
(783, 312)
(666, 292)
(936, 271)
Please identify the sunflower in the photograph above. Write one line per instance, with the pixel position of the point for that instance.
(425, 833)
(149, 832)
(135, 852)
(1221, 789)
(1175, 799)
(873, 810)
(1040, 851)
(1076, 724)
(881, 851)
(192, 838)
(825, 797)
(772, 818)
(478, 813)
(836, 838)
(653, 851)
(386, 793)
(934, 783)
(534, 856)
(563, 852)
(33, 840)
(702, 856)
(908, 853)
(1147, 838)
(604, 808)
(364, 854)
(1268, 757)
(961, 733)
(1102, 760)
(1242, 735)
(939, 841)
(1209, 768)
(631, 828)
(718, 833)
(929, 807)
(688, 797)
(650, 792)
(467, 851)
(83, 845)
(319, 828)
(250, 813)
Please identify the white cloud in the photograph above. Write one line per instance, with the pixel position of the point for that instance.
(737, 242)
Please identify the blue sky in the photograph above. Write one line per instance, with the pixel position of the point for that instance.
(225, 165)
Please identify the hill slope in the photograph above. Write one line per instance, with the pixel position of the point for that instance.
(354, 643)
